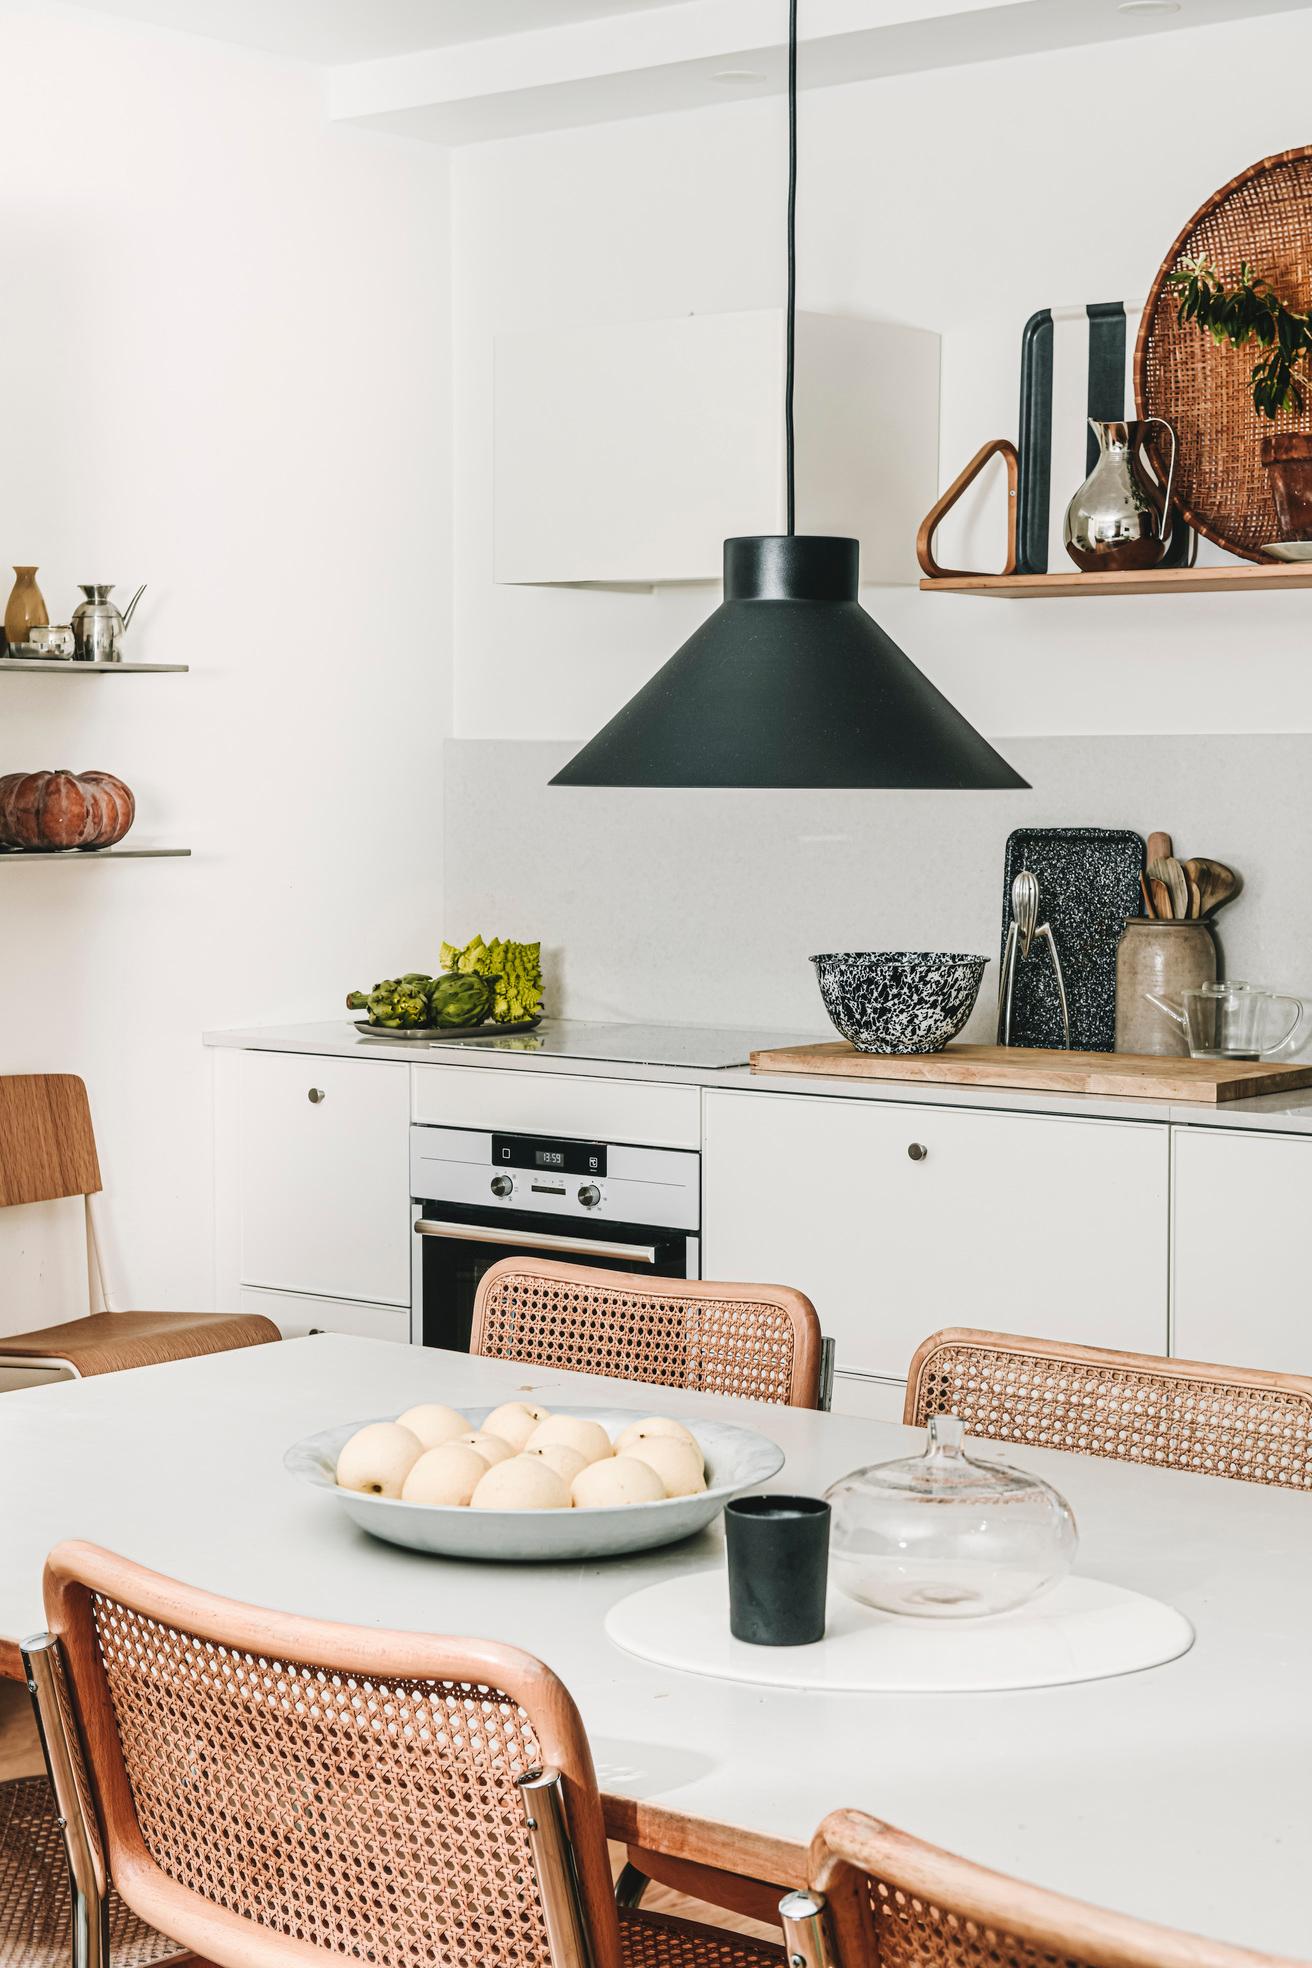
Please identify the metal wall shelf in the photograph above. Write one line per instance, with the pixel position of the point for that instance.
(93, 854)
(66, 666)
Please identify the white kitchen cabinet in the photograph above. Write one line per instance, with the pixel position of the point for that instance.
(323, 1180)
(1241, 1291)
(626, 452)
(297, 1315)
(1027, 1223)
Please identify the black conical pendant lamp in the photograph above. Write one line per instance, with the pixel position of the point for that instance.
(790, 682)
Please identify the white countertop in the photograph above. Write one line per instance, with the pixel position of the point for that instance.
(338, 1038)
(1178, 1794)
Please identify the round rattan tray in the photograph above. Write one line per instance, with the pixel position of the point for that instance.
(1263, 216)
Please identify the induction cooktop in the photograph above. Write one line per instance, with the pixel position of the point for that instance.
(705, 1048)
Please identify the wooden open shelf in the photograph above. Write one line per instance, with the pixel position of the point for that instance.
(1153, 580)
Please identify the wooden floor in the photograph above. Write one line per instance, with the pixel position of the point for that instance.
(20, 1756)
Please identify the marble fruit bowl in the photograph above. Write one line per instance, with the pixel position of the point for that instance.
(737, 1459)
(899, 1000)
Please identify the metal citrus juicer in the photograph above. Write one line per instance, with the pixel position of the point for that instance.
(1023, 932)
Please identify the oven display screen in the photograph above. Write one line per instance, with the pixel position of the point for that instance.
(545, 1151)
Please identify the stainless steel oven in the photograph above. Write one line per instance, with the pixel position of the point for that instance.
(479, 1197)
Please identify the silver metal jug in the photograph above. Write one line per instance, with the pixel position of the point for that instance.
(1120, 518)
(98, 626)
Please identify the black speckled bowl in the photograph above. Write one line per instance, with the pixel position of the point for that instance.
(899, 1000)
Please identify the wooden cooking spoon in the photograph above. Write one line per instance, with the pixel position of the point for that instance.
(1161, 895)
(1159, 847)
(1217, 884)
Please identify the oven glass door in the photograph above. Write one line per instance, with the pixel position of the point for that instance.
(459, 1244)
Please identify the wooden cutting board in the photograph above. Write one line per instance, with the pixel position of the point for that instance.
(1120, 1075)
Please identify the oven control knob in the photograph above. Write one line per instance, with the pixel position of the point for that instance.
(503, 1185)
(589, 1195)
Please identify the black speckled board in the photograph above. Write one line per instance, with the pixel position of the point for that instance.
(1088, 884)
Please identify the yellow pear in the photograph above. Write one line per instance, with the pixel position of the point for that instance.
(447, 1475)
(524, 1482)
(641, 1431)
(559, 1456)
(490, 1447)
(434, 1424)
(616, 1481)
(514, 1422)
(677, 1463)
(378, 1458)
(588, 1437)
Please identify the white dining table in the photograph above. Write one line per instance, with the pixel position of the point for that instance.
(1182, 1794)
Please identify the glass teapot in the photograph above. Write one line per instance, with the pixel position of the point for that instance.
(942, 1536)
(1231, 1020)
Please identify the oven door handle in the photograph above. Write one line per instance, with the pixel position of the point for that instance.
(468, 1233)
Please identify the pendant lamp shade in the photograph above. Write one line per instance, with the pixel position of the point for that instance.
(790, 683)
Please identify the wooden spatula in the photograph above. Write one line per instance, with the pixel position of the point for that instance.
(1171, 873)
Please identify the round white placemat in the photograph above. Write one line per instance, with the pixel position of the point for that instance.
(1083, 1630)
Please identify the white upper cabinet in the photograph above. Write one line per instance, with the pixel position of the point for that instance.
(627, 452)
(1241, 1287)
(897, 1219)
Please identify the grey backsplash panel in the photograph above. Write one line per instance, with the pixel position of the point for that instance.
(702, 908)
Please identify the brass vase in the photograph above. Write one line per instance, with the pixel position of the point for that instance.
(25, 609)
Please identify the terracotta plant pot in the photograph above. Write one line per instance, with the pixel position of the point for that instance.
(1287, 456)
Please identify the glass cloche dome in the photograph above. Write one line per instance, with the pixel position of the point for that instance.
(943, 1536)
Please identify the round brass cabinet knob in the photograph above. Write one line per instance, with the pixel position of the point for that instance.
(316, 1095)
(917, 1151)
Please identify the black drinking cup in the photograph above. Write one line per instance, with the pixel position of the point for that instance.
(778, 1569)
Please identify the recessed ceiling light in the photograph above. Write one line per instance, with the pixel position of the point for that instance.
(739, 77)
(1148, 7)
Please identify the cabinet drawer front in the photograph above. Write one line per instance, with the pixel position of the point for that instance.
(297, 1315)
(662, 1116)
(898, 1219)
(1240, 1249)
(325, 1203)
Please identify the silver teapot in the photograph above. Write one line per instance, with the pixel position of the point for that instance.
(98, 627)
(1120, 518)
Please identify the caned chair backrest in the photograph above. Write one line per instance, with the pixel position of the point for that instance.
(895, 1902)
(1134, 1407)
(277, 1791)
(760, 1342)
(47, 1148)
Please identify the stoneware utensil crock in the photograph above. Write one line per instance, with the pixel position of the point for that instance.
(1154, 960)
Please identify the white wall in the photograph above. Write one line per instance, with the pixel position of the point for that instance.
(961, 201)
(224, 369)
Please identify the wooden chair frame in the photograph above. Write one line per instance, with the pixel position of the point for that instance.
(562, 1816)
(568, 1348)
(834, 1925)
(1173, 1422)
(48, 1154)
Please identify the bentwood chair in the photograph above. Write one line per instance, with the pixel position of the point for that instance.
(48, 1155)
(758, 1342)
(280, 1792)
(882, 1899)
(1134, 1407)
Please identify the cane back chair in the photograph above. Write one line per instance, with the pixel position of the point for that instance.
(278, 1791)
(1134, 1407)
(759, 1342)
(36, 1913)
(47, 1154)
(882, 1899)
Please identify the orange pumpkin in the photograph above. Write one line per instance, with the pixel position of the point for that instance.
(62, 809)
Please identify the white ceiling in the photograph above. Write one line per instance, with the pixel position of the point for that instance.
(332, 31)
